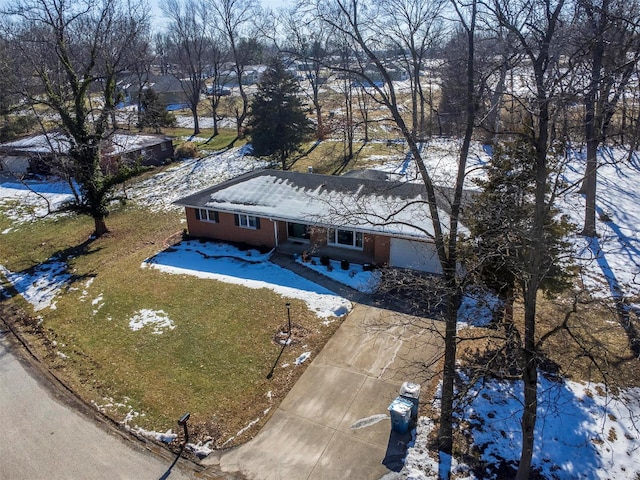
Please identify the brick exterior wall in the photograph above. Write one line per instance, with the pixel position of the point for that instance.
(226, 230)
(382, 249)
(377, 247)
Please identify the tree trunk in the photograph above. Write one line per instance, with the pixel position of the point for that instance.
(493, 117)
(320, 133)
(445, 431)
(100, 226)
(196, 121)
(242, 114)
(591, 136)
(589, 189)
(530, 380)
(214, 116)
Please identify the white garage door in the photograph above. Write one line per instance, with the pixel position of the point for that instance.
(415, 255)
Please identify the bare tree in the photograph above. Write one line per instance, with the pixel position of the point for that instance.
(217, 58)
(610, 49)
(536, 24)
(190, 48)
(309, 43)
(69, 55)
(412, 30)
(234, 19)
(356, 21)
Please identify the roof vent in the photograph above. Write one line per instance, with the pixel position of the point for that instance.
(309, 169)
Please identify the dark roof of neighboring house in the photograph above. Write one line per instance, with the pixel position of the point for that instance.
(383, 207)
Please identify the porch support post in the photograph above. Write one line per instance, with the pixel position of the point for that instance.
(275, 231)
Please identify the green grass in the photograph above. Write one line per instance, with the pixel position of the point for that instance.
(213, 364)
(205, 142)
(328, 156)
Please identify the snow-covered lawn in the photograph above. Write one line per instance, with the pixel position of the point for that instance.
(25, 201)
(249, 268)
(190, 176)
(610, 263)
(583, 431)
(41, 286)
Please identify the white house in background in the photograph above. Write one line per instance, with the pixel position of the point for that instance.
(344, 217)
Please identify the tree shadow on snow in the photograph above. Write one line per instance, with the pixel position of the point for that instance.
(40, 283)
(568, 427)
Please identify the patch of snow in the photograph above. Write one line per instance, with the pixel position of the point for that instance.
(25, 201)
(354, 276)
(85, 291)
(40, 285)
(368, 421)
(248, 268)
(477, 308)
(164, 437)
(610, 263)
(302, 358)
(190, 176)
(241, 431)
(582, 431)
(200, 449)
(158, 319)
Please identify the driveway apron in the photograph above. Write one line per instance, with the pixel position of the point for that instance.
(334, 422)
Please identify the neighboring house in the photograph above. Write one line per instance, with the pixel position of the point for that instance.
(169, 89)
(35, 153)
(344, 217)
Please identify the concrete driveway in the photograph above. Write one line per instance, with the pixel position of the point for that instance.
(334, 423)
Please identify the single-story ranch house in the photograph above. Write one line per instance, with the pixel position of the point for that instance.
(32, 154)
(345, 217)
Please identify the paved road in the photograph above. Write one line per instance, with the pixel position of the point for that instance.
(42, 437)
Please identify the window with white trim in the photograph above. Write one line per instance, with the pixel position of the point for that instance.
(206, 215)
(345, 238)
(247, 221)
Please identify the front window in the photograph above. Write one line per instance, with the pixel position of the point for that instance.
(248, 221)
(206, 215)
(345, 238)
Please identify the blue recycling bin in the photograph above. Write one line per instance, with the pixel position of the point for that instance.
(400, 412)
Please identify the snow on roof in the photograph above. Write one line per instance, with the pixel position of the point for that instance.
(56, 142)
(383, 207)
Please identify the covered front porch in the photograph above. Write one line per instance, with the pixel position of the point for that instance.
(298, 247)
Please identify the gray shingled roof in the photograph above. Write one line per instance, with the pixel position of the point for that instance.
(383, 207)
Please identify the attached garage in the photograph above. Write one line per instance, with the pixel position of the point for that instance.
(415, 255)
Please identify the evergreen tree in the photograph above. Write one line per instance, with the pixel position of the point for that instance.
(278, 124)
(154, 114)
(500, 222)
